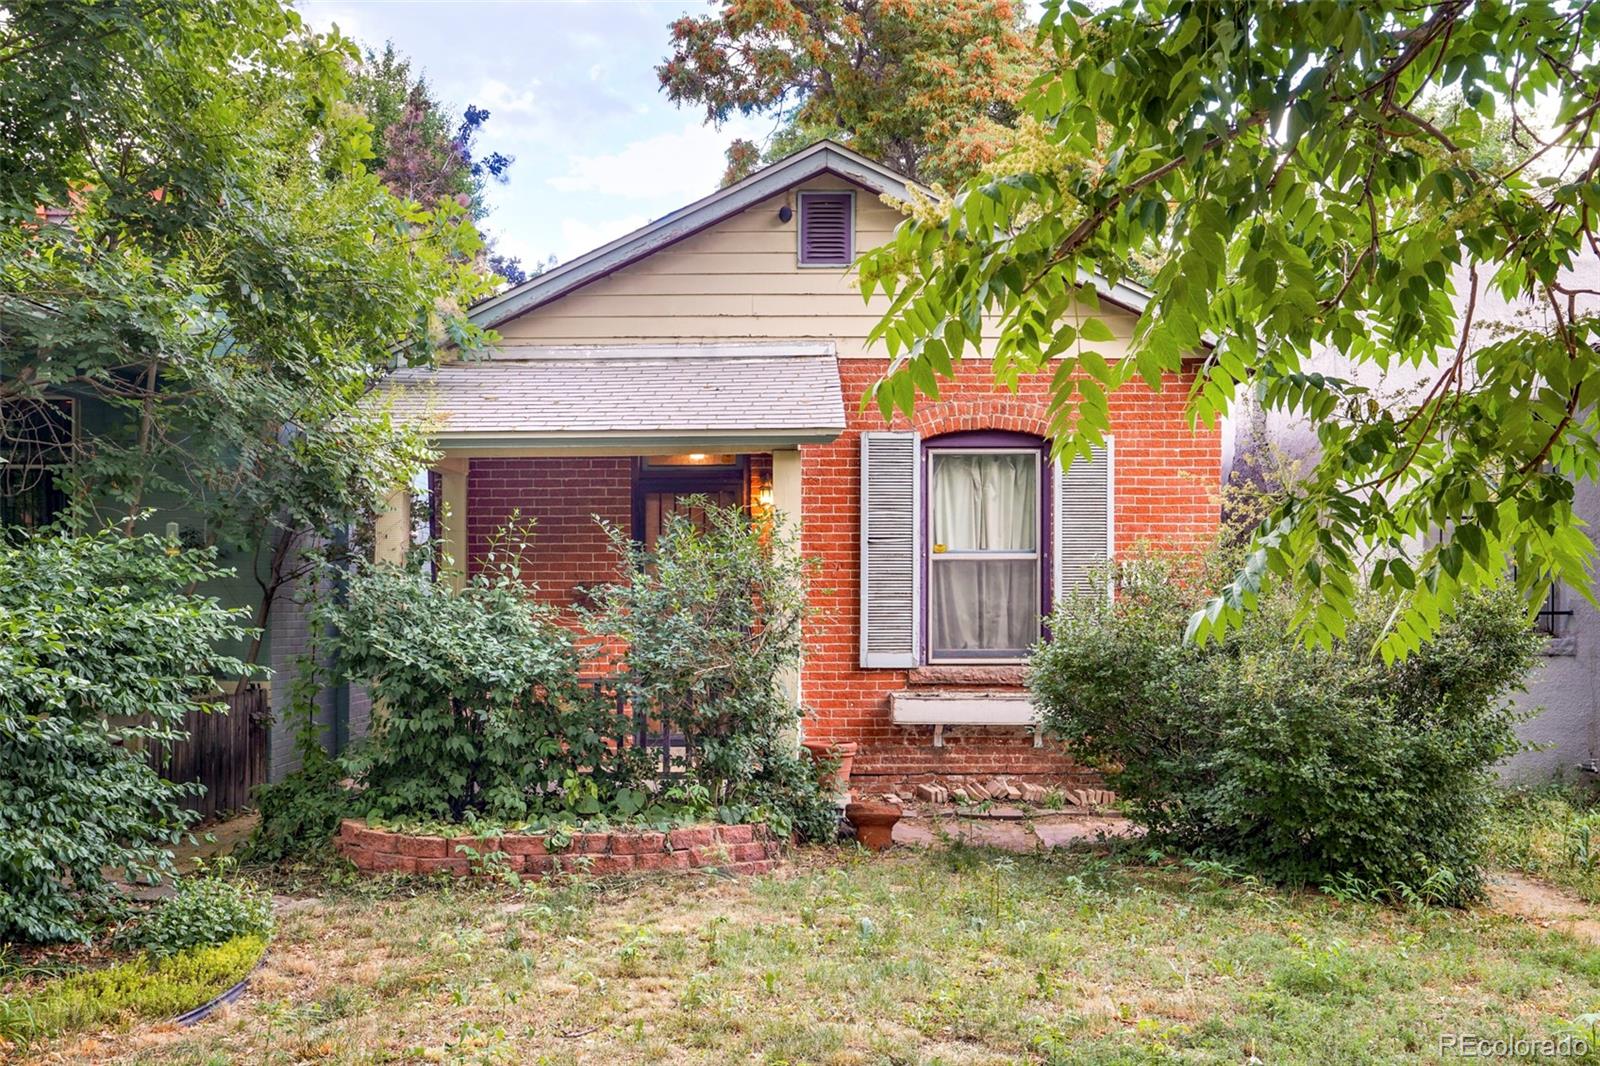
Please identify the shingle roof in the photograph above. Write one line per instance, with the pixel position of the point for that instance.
(783, 392)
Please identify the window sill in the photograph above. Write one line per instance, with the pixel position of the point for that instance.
(1560, 647)
(1010, 675)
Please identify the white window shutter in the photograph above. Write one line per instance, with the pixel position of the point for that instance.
(1084, 519)
(891, 546)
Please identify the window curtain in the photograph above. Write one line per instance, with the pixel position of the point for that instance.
(984, 503)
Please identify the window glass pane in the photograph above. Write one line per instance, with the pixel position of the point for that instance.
(985, 502)
(983, 608)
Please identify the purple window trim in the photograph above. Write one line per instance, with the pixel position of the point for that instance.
(997, 439)
(808, 256)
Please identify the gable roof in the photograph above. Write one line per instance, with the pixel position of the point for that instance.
(823, 157)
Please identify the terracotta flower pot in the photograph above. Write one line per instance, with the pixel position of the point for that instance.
(874, 821)
(836, 782)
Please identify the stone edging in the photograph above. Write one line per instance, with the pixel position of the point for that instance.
(741, 849)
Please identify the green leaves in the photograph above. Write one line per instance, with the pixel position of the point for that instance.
(226, 278)
(102, 652)
(1323, 215)
(1303, 765)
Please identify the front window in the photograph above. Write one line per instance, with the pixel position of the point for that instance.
(985, 532)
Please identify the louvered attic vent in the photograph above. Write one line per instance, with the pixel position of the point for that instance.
(827, 229)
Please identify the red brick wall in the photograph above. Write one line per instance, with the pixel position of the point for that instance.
(562, 496)
(1165, 492)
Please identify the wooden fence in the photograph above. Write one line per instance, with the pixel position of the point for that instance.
(227, 753)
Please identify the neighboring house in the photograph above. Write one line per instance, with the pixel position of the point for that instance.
(1563, 697)
(39, 437)
(722, 350)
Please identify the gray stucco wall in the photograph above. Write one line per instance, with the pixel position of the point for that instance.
(1563, 694)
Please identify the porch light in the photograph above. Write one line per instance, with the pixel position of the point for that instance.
(697, 457)
(764, 496)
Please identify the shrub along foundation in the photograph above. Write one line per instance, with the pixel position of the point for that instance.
(740, 849)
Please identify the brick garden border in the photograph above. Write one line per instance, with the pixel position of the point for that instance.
(740, 849)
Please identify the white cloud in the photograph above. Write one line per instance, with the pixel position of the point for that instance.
(497, 95)
(581, 235)
(323, 17)
(677, 167)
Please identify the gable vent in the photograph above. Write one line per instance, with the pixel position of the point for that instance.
(827, 229)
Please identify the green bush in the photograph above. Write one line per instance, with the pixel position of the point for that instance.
(710, 622)
(482, 714)
(300, 813)
(1320, 766)
(102, 651)
(205, 911)
(143, 989)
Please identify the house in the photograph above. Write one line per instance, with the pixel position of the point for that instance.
(722, 349)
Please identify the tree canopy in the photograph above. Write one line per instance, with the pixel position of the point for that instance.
(928, 86)
(420, 151)
(1305, 193)
(193, 245)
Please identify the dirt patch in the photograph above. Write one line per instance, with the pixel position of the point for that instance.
(1544, 905)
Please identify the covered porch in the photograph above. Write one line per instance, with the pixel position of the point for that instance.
(625, 435)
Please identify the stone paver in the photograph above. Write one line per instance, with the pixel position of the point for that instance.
(1046, 831)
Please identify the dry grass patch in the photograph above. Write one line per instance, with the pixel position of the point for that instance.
(955, 957)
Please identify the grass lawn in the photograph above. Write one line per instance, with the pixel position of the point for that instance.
(916, 957)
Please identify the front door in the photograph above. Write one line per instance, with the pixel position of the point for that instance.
(663, 485)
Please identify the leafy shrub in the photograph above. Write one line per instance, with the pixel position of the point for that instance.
(710, 622)
(1306, 765)
(784, 794)
(102, 651)
(300, 813)
(482, 712)
(205, 911)
(145, 989)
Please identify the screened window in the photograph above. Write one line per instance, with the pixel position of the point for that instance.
(984, 535)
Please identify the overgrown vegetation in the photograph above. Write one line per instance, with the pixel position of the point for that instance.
(486, 722)
(145, 989)
(482, 712)
(1551, 832)
(103, 650)
(1320, 766)
(710, 621)
(206, 911)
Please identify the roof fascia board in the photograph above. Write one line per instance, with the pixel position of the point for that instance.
(620, 443)
(562, 353)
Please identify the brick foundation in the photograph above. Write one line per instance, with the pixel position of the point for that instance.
(740, 849)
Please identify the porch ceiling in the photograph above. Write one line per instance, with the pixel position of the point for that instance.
(733, 395)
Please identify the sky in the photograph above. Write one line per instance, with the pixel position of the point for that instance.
(572, 94)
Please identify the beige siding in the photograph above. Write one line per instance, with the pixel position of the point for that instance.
(737, 280)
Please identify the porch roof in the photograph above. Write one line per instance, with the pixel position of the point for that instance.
(730, 395)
